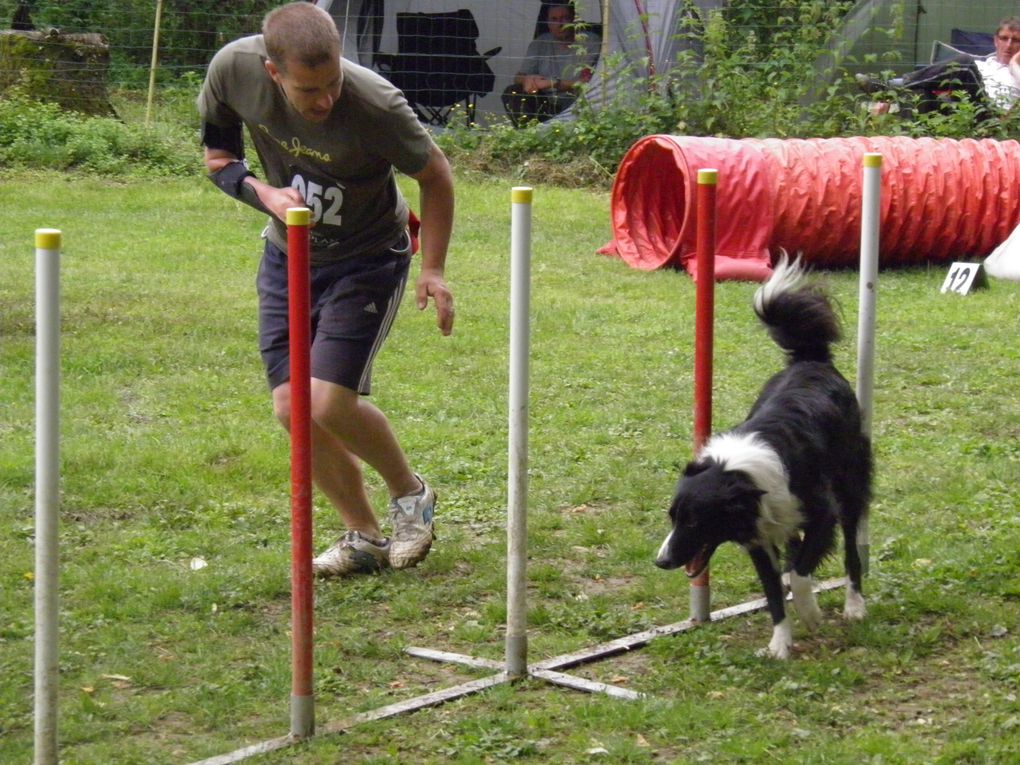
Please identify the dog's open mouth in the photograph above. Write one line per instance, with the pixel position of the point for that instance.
(696, 566)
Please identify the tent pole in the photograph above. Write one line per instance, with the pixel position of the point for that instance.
(604, 48)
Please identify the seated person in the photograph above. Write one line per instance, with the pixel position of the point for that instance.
(990, 81)
(557, 62)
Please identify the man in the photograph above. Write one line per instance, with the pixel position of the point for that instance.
(986, 80)
(329, 135)
(557, 63)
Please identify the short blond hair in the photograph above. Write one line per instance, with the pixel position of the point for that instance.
(300, 32)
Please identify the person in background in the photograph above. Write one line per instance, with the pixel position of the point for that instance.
(330, 134)
(992, 82)
(556, 64)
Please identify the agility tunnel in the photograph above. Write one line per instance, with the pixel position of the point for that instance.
(942, 200)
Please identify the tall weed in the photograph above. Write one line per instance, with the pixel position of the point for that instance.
(42, 135)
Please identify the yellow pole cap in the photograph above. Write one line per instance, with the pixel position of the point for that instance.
(872, 160)
(521, 195)
(708, 177)
(47, 238)
(298, 216)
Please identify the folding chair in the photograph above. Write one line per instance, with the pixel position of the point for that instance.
(941, 51)
(438, 66)
(961, 42)
(974, 43)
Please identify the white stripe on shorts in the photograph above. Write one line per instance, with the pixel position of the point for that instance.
(384, 329)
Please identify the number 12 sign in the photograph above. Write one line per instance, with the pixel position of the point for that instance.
(964, 277)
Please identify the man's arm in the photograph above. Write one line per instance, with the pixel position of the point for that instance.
(1014, 68)
(223, 152)
(435, 185)
(532, 83)
(528, 77)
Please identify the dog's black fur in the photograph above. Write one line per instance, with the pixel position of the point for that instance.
(785, 477)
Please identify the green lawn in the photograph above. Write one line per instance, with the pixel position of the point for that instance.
(170, 453)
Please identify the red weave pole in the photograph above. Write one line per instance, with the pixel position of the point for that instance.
(704, 317)
(704, 311)
(299, 296)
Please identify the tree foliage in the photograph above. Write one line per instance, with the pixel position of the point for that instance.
(190, 30)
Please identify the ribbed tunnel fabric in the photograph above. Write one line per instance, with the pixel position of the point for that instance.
(942, 200)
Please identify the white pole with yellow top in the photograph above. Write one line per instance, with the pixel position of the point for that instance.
(517, 471)
(47, 491)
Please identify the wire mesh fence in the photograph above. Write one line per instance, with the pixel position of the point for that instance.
(468, 51)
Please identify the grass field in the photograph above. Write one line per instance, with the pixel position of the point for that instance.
(170, 454)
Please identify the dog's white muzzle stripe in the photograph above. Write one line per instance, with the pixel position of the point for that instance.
(664, 547)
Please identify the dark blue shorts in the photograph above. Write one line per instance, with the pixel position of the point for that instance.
(353, 304)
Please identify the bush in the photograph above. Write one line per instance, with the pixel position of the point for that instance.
(38, 135)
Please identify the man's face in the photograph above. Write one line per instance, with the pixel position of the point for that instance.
(558, 21)
(311, 91)
(1007, 44)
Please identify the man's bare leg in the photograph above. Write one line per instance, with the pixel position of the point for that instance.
(345, 430)
(365, 432)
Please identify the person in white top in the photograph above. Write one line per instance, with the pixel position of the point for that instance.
(999, 71)
(992, 82)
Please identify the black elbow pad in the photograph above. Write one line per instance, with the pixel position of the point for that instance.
(230, 180)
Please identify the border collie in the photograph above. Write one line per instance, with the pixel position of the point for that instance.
(785, 477)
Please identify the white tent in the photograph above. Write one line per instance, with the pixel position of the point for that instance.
(640, 37)
(1004, 261)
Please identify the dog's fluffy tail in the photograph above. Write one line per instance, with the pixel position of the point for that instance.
(799, 315)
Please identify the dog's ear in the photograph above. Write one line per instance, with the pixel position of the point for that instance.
(694, 467)
(744, 496)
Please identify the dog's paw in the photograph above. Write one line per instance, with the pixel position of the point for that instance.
(854, 608)
(779, 651)
(782, 641)
(810, 614)
(804, 601)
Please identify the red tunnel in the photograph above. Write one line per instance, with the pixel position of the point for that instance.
(942, 200)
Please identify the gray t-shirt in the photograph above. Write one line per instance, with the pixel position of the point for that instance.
(548, 57)
(343, 167)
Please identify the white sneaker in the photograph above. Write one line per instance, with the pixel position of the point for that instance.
(353, 553)
(412, 526)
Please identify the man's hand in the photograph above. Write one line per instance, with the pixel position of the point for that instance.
(277, 200)
(274, 200)
(435, 185)
(535, 82)
(431, 284)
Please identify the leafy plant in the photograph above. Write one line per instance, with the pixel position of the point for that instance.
(41, 135)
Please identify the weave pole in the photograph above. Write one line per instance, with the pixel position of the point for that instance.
(704, 319)
(517, 468)
(515, 665)
(871, 219)
(47, 491)
(302, 699)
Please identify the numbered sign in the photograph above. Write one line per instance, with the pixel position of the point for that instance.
(964, 277)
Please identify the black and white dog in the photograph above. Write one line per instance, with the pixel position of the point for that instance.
(785, 477)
